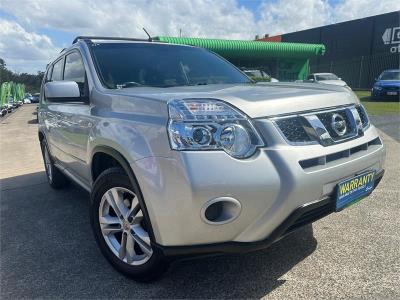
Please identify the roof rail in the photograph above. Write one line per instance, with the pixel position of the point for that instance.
(107, 38)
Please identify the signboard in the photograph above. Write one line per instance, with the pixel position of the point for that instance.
(391, 36)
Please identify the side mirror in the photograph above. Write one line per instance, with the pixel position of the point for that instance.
(62, 91)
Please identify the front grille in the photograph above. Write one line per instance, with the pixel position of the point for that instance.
(293, 130)
(391, 88)
(326, 119)
(324, 126)
(323, 160)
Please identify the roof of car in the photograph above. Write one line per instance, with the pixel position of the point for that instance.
(114, 40)
(108, 39)
(392, 70)
(321, 74)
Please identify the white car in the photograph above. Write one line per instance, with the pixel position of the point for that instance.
(259, 74)
(327, 78)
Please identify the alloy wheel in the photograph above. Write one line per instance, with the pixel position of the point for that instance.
(123, 226)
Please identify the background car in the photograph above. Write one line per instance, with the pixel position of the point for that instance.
(259, 75)
(27, 98)
(10, 104)
(387, 85)
(9, 107)
(326, 78)
(35, 98)
(3, 111)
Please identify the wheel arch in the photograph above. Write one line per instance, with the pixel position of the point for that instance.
(41, 136)
(124, 164)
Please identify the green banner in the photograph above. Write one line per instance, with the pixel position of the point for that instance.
(11, 92)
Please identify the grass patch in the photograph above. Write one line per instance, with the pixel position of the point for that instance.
(377, 107)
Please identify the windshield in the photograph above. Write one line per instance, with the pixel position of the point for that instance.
(160, 65)
(390, 75)
(322, 77)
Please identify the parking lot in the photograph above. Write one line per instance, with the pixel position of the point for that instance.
(48, 251)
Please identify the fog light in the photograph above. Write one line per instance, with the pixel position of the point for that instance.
(221, 210)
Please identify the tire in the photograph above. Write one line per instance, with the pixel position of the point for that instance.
(121, 228)
(55, 177)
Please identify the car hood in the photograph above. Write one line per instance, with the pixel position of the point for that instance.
(388, 83)
(256, 100)
(334, 82)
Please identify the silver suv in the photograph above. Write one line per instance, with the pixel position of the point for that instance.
(184, 155)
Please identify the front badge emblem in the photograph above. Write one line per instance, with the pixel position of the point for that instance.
(338, 124)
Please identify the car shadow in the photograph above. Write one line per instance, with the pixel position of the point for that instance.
(33, 121)
(48, 251)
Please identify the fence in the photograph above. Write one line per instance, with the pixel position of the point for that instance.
(360, 72)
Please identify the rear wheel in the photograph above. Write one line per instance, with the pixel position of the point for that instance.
(121, 228)
(55, 177)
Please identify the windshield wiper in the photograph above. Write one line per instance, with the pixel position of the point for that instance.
(193, 84)
(129, 84)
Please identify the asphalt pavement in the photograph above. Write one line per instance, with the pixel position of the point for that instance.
(48, 250)
(390, 124)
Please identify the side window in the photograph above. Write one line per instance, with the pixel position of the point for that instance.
(48, 74)
(74, 69)
(46, 79)
(310, 77)
(57, 70)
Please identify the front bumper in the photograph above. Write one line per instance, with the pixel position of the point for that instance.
(300, 217)
(272, 187)
(385, 93)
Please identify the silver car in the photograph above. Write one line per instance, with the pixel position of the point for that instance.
(184, 155)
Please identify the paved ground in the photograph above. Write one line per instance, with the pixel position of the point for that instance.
(390, 124)
(48, 251)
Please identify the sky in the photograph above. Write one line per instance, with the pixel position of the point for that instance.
(33, 32)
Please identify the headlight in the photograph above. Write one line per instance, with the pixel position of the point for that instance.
(208, 124)
(377, 87)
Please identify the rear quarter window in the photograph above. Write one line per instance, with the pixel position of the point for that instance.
(48, 74)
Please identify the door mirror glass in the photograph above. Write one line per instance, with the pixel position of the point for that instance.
(62, 91)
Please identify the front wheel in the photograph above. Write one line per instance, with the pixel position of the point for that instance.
(121, 228)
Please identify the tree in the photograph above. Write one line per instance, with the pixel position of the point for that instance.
(32, 82)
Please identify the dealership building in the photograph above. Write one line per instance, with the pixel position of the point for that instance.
(357, 51)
